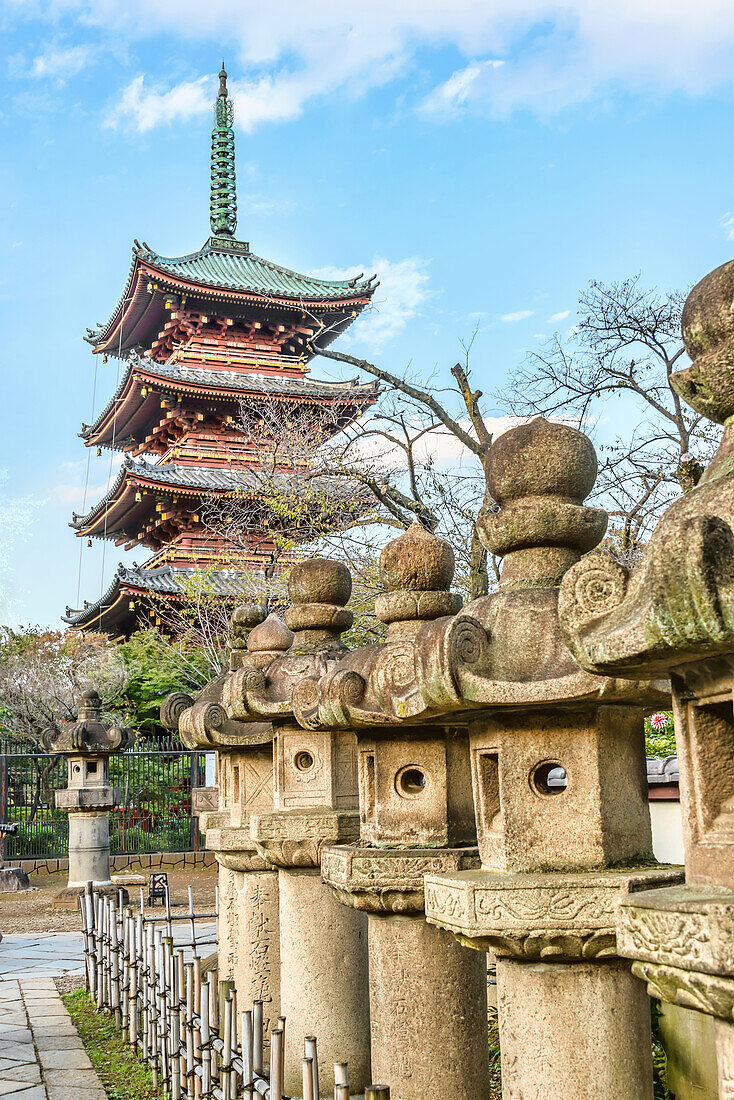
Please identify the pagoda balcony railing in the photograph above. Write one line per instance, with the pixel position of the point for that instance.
(208, 557)
(203, 455)
(225, 357)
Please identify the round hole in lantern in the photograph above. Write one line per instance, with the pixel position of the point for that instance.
(303, 760)
(410, 782)
(549, 778)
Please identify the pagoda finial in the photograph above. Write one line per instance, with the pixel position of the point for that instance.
(223, 201)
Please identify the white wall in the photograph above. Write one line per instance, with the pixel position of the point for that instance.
(667, 831)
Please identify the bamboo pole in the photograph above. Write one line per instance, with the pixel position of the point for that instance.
(308, 1079)
(206, 1068)
(257, 1040)
(246, 1040)
(311, 1051)
(276, 1064)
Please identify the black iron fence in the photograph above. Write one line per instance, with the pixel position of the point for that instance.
(154, 814)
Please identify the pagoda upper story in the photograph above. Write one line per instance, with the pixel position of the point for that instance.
(225, 307)
(201, 334)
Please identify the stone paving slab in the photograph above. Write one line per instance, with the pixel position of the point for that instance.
(44, 1059)
(41, 957)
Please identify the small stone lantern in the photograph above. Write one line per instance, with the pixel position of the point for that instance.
(88, 744)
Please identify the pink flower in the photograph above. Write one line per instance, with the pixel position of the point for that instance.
(659, 721)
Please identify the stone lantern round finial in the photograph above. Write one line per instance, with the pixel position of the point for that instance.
(268, 640)
(320, 580)
(417, 560)
(272, 635)
(89, 704)
(247, 616)
(540, 473)
(708, 335)
(319, 589)
(416, 570)
(244, 619)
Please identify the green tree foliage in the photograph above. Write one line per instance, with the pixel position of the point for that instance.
(155, 666)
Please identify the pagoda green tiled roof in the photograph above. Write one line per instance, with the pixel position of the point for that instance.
(226, 265)
(230, 265)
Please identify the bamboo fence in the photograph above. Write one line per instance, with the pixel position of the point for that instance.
(179, 1017)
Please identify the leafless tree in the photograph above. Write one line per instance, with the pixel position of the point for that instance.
(320, 479)
(42, 674)
(196, 622)
(615, 365)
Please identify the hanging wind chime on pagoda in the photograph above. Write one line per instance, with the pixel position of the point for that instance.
(199, 335)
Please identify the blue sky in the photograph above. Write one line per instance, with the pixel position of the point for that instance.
(487, 157)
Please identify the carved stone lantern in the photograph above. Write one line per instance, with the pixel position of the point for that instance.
(558, 770)
(323, 946)
(248, 939)
(427, 993)
(88, 744)
(675, 615)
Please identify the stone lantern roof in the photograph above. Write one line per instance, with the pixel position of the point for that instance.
(88, 735)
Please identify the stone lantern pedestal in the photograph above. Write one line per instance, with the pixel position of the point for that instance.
(323, 946)
(88, 744)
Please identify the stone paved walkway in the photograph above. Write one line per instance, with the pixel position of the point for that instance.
(41, 1054)
(42, 955)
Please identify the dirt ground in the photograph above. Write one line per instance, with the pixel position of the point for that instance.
(31, 911)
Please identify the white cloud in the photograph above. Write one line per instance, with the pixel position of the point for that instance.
(555, 317)
(458, 89)
(441, 446)
(144, 108)
(556, 53)
(402, 290)
(59, 64)
(726, 221)
(519, 315)
(71, 493)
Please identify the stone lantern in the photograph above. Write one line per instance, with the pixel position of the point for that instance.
(248, 939)
(323, 946)
(428, 1003)
(675, 616)
(88, 744)
(558, 770)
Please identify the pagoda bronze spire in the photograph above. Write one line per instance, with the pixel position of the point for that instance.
(223, 198)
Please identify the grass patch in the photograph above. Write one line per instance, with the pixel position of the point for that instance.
(122, 1074)
(495, 1077)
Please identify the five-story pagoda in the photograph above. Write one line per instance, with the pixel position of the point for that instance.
(200, 334)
